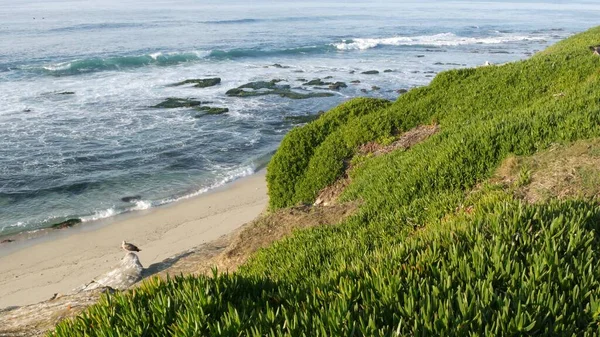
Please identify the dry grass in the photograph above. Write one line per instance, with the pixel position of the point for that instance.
(559, 172)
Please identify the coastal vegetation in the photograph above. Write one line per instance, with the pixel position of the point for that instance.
(488, 226)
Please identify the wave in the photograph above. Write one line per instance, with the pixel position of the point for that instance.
(96, 26)
(117, 63)
(283, 19)
(444, 39)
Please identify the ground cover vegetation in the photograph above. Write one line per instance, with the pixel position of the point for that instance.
(459, 235)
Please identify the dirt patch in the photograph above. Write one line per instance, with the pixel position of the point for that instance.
(37, 319)
(559, 172)
(404, 141)
(278, 225)
(330, 194)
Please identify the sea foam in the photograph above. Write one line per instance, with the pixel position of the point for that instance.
(444, 39)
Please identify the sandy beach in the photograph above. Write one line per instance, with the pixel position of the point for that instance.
(70, 258)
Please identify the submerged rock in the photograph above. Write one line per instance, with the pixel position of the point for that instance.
(66, 93)
(375, 87)
(355, 82)
(370, 72)
(173, 102)
(66, 224)
(277, 65)
(388, 71)
(209, 110)
(200, 82)
(133, 198)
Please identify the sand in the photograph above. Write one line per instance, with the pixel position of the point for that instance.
(70, 258)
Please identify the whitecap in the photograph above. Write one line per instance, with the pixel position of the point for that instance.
(102, 214)
(444, 39)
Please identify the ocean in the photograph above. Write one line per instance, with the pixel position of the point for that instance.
(80, 133)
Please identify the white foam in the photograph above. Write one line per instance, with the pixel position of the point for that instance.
(444, 39)
(235, 174)
(141, 205)
(58, 66)
(102, 214)
(155, 55)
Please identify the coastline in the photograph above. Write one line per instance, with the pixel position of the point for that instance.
(33, 270)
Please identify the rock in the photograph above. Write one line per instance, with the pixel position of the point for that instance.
(262, 88)
(66, 224)
(133, 198)
(295, 95)
(363, 90)
(200, 82)
(327, 77)
(302, 119)
(401, 91)
(66, 93)
(123, 276)
(298, 71)
(272, 84)
(7, 241)
(388, 71)
(172, 103)
(208, 110)
(420, 56)
(351, 72)
(277, 65)
(337, 85)
(375, 87)
(26, 110)
(438, 64)
(370, 72)
(316, 81)
(301, 79)
(355, 82)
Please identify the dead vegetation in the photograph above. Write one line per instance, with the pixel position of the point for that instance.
(558, 172)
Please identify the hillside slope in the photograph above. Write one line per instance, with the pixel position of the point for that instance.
(443, 242)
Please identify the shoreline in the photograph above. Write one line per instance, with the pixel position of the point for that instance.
(61, 260)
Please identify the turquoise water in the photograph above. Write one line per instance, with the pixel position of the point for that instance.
(78, 154)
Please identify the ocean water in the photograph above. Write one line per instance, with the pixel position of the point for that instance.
(78, 80)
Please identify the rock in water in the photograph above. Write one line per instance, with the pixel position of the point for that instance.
(133, 198)
(173, 102)
(370, 72)
(66, 224)
(127, 273)
(200, 82)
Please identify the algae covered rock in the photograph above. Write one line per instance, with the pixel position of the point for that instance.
(66, 224)
(173, 102)
(263, 88)
(209, 110)
(200, 82)
(337, 85)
